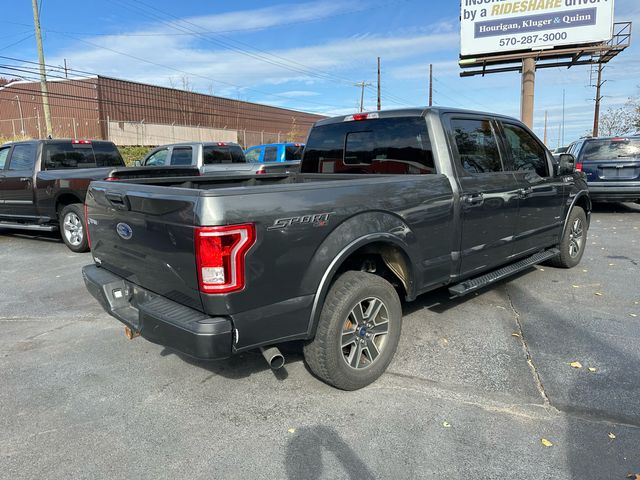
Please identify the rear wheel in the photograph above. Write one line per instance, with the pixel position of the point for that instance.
(573, 241)
(73, 229)
(358, 331)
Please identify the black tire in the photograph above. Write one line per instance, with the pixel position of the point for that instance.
(569, 257)
(74, 232)
(328, 358)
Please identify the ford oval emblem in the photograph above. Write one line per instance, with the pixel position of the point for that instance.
(124, 231)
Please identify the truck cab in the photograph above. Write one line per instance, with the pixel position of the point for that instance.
(43, 184)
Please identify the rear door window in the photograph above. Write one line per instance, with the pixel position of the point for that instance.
(270, 154)
(385, 146)
(23, 157)
(157, 159)
(477, 145)
(611, 149)
(4, 154)
(526, 153)
(181, 156)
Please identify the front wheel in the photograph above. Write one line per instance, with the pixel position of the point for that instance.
(73, 229)
(358, 331)
(573, 240)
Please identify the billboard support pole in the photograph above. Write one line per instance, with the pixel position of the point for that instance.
(527, 93)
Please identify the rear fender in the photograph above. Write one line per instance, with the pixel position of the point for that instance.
(347, 238)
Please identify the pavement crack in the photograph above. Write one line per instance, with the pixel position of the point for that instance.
(534, 371)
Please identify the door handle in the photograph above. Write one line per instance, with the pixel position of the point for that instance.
(25, 179)
(473, 199)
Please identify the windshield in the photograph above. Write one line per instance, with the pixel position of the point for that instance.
(611, 149)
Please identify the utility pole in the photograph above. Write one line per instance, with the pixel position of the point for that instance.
(430, 84)
(66, 73)
(596, 113)
(362, 85)
(379, 103)
(43, 73)
(545, 127)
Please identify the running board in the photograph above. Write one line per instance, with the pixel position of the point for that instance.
(473, 284)
(29, 226)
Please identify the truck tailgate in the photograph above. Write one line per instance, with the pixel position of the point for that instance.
(145, 235)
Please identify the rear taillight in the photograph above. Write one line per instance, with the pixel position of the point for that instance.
(578, 167)
(111, 179)
(261, 171)
(86, 224)
(220, 254)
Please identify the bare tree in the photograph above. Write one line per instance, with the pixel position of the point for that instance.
(621, 120)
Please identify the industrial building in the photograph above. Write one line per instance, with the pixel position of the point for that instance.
(131, 113)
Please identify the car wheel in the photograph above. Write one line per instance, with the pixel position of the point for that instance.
(573, 240)
(358, 331)
(73, 229)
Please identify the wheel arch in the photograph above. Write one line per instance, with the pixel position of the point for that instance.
(64, 199)
(395, 257)
(583, 201)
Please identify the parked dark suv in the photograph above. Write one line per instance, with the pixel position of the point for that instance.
(612, 167)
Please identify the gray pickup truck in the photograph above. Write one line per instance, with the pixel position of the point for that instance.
(389, 205)
(218, 158)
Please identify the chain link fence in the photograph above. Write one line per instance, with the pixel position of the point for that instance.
(138, 133)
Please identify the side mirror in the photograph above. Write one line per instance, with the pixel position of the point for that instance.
(566, 164)
(137, 163)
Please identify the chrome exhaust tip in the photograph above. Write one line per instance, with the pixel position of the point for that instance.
(274, 358)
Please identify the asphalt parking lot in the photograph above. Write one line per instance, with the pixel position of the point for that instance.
(476, 385)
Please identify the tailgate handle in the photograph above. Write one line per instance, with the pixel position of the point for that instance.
(118, 200)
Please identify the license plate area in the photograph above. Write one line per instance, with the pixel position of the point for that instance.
(618, 172)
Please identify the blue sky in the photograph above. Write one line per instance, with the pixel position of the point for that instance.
(305, 55)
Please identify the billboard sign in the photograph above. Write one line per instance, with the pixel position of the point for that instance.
(498, 26)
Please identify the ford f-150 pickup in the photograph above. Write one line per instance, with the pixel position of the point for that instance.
(388, 205)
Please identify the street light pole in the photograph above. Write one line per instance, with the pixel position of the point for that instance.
(21, 116)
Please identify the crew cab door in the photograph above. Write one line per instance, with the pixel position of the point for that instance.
(17, 182)
(488, 193)
(541, 205)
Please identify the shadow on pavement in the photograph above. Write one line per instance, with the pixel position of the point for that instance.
(306, 447)
(32, 235)
(245, 364)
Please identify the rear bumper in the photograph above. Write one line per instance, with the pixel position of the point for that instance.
(614, 191)
(158, 319)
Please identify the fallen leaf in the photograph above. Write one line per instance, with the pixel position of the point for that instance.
(598, 294)
(515, 335)
(592, 369)
(633, 315)
(546, 442)
(542, 269)
(446, 424)
(612, 264)
(585, 271)
(575, 286)
(612, 435)
(576, 364)
(634, 476)
(292, 430)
